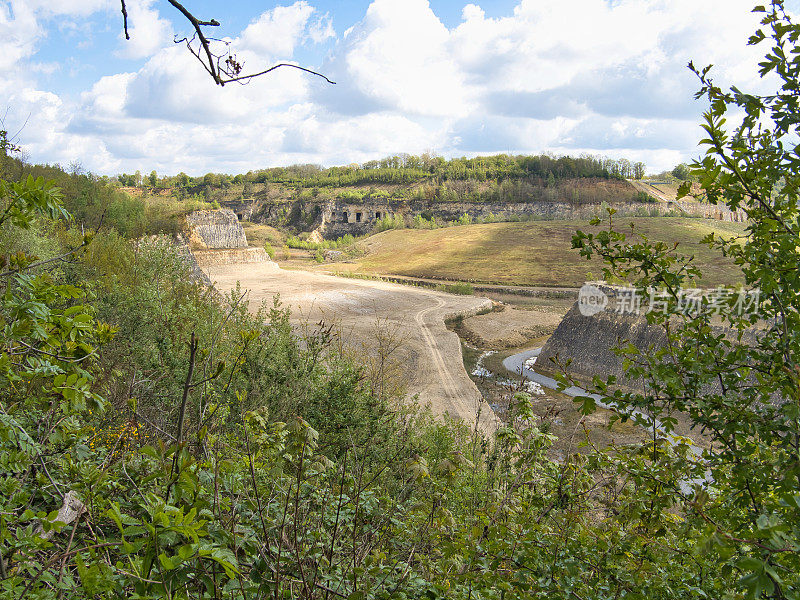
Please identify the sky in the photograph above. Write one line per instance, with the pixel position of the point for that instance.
(606, 77)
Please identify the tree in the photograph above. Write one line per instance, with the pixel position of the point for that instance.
(152, 179)
(213, 53)
(681, 172)
(739, 383)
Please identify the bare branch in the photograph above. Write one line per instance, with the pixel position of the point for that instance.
(225, 67)
(248, 77)
(125, 19)
(203, 41)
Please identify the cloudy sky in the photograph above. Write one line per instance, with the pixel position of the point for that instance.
(521, 76)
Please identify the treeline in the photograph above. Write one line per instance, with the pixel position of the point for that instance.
(407, 169)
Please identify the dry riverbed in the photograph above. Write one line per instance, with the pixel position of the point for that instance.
(522, 322)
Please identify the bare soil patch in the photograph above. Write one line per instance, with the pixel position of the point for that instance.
(365, 314)
(510, 327)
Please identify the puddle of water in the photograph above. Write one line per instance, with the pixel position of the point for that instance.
(531, 387)
(480, 370)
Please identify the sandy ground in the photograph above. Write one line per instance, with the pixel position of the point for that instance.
(429, 354)
(510, 327)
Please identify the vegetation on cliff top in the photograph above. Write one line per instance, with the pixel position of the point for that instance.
(408, 168)
(499, 178)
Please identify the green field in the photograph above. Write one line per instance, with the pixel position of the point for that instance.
(531, 253)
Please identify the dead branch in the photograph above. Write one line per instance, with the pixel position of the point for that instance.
(225, 67)
(125, 19)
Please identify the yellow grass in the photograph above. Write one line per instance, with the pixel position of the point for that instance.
(531, 253)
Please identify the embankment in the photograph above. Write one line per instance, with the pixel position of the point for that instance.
(587, 341)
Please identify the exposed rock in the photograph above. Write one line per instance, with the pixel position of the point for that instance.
(215, 229)
(331, 219)
(588, 341)
(227, 256)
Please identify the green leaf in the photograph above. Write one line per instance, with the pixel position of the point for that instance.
(588, 404)
(166, 562)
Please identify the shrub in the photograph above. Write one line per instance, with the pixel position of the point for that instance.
(461, 288)
(390, 221)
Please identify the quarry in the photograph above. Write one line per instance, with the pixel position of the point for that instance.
(434, 330)
(332, 218)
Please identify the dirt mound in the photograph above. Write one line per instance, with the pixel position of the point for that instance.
(510, 327)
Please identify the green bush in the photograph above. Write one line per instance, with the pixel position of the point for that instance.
(421, 222)
(390, 221)
(295, 242)
(462, 288)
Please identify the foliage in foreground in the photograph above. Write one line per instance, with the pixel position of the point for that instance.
(250, 463)
(740, 383)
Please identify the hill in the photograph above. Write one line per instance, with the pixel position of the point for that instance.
(530, 253)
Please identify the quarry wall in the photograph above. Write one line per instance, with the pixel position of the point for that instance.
(331, 219)
(587, 341)
(216, 237)
(711, 211)
(227, 256)
(215, 229)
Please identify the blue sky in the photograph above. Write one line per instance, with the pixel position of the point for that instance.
(457, 78)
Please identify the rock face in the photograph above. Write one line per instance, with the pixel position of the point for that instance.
(215, 229)
(230, 256)
(331, 219)
(588, 340)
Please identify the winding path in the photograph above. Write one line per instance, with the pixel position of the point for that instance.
(430, 355)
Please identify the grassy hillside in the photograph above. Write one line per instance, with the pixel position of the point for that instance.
(534, 253)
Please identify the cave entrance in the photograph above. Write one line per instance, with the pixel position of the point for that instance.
(378, 216)
(345, 217)
(358, 217)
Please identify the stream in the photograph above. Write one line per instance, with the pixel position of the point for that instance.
(517, 363)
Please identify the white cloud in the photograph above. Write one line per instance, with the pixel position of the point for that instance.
(77, 8)
(581, 76)
(398, 58)
(19, 33)
(322, 29)
(276, 33)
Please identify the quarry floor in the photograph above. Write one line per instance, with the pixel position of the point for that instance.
(376, 318)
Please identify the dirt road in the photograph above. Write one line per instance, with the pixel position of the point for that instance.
(363, 312)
